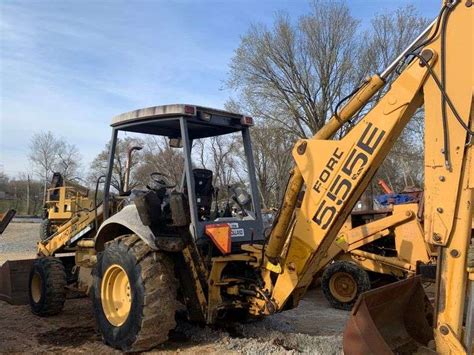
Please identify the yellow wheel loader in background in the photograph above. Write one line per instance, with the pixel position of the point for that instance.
(146, 250)
(63, 200)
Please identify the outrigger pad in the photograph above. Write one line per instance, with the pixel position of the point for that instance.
(14, 277)
(396, 318)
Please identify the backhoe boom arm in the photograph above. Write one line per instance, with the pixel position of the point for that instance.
(336, 172)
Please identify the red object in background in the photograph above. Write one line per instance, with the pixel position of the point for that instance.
(384, 186)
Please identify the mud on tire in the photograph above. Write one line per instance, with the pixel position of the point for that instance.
(336, 277)
(153, 295)
(47, 286)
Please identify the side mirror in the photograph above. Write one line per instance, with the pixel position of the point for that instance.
(176, 143)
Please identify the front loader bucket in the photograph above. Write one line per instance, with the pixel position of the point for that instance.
(14, 275)
(394, 319)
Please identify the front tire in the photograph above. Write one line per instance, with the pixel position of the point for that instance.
(342, 283)
(134, 295)
(47, 286)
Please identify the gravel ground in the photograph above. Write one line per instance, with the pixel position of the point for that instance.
(18, 241)
(313, 327)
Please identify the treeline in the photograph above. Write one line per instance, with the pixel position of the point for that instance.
(47, 153)
(23, 194)
(292, 75)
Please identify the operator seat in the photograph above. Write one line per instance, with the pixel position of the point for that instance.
(56, 182)
(204, 191)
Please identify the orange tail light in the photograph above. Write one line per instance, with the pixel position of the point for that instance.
(220, 235)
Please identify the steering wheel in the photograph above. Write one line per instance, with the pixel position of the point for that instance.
(161, 179)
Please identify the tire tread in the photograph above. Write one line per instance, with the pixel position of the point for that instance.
(55, 284)
(159, 306)
(361, 276)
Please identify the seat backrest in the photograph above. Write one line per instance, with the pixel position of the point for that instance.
(203, 188)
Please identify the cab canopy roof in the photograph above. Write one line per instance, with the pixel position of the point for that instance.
(165, 121)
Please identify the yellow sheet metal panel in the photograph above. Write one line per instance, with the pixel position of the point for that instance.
(409, 237)
(337, 172)
(279, 233)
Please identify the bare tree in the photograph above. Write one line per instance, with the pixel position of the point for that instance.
(389, 35)
(49, 153)
(294, 73)
(68, 160)
(99, 165)
(272, 147)
(43, 154)
(220, 155)
(158, 156)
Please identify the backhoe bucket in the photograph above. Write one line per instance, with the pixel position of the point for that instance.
(394, 319)
(14, 276)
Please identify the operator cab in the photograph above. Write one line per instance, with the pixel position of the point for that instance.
(222, 216)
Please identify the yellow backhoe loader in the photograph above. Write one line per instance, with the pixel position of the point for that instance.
(161, 245)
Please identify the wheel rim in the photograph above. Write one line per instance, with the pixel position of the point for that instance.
(343, 286)
(36, 287)
(116, 295)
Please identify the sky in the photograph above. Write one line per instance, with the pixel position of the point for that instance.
(70, 66)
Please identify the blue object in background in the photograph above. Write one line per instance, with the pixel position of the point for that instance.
(394, 199)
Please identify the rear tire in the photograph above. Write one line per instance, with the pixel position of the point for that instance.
(47, 286)
(343, 282)
(134, 295)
